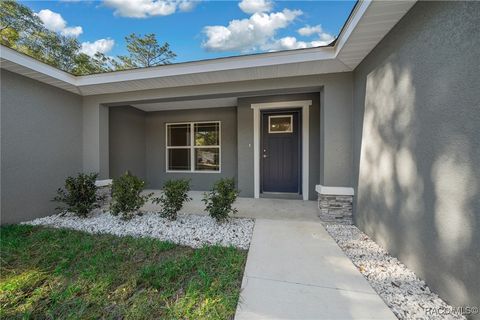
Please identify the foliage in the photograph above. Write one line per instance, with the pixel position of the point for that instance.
(15, 20)
(79, 195)
(63, 274)
(144, 52)
(126, 196)
(84, 64)
(219, 201)
(175, 193)
(22, 30)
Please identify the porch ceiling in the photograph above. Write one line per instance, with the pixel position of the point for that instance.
(209, 101)
(187, 104)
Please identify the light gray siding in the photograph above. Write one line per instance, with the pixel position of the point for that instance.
(155, 146)
(41, 144)
(245, 140)
(417, 146)
(127, 141)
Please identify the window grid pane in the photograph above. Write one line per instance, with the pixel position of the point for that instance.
(179, 159)
(179, 135)
(207, 159)
(207, 134)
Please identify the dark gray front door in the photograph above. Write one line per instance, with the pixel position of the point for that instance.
(280, 151)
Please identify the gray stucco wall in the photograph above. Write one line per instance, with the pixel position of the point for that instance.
(155, 146)
(41, 144)
(127, 143)
(245, 140)
(417, 146)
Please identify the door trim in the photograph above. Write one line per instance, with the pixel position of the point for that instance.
(257, 107)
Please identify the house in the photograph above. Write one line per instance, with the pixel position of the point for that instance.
(389, 115)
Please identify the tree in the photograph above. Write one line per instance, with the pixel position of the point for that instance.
(87, 65)
(16, 19)
(144, 52)
(22, 30)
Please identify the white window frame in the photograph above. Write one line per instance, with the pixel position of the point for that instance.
(280, 116)
(192, 147)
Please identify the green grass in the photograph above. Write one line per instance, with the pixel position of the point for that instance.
(62, 274)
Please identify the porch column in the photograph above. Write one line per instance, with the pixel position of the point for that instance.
(95, 138)
(337, 133)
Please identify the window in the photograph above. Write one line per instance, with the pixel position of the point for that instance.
(193, 146)
(280, 124)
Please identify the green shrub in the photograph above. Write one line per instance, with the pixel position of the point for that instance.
(126, 196)
(79, 194)
(175, 193)
(219, 201)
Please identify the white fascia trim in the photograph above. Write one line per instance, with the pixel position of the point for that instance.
(212, 65)
(35, 65)
(194, 67)
(257, 107)
(351, 24)
(334, 191)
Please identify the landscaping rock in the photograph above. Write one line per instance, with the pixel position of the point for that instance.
(188, 230)
(407, 296)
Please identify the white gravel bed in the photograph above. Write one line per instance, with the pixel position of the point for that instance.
(188, 230)
(406, 295)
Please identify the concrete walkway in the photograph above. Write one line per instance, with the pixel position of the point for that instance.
(295, 270)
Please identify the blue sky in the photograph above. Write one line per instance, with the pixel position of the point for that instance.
(197, 30)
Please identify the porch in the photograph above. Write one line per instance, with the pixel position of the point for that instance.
(134, 131)
(262, 208)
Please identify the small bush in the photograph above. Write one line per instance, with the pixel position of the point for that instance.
(219, 201)
(175, 193)
(79, 194)
(126, 196)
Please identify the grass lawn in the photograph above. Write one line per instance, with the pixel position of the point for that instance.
(62, 274)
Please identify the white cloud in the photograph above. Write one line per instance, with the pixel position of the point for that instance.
(54, 21)
(148, 8)
(101, 45)
(248, 34)
(253, 6)
(308, 30)
(72, 31)
(289, 43)
(186, 6)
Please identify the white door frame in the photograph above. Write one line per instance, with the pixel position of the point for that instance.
(257, 107)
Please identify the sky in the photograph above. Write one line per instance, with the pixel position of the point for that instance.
(197, 30)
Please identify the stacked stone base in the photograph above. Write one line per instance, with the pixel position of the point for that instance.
(335, 209)
(104, 191)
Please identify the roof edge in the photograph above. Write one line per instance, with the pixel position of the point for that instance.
(25, 60)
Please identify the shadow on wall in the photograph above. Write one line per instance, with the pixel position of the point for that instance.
(419, 177)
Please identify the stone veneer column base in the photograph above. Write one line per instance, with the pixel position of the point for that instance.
(334, 208)
(104, 190)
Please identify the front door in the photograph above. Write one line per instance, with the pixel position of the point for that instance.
(280, 152)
